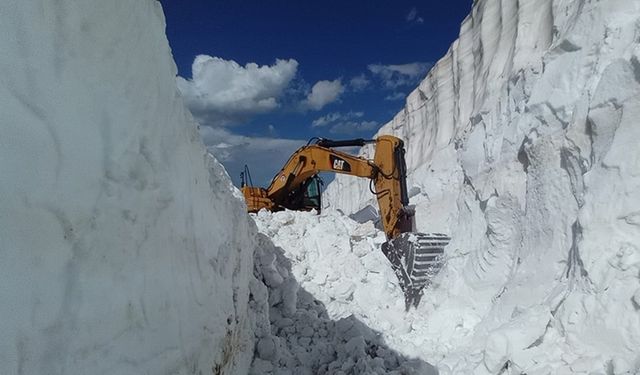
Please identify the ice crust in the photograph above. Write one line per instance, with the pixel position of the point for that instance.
(122, 247)
(522, 144)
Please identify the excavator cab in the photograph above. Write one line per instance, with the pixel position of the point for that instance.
(307, 197)
(313, 194)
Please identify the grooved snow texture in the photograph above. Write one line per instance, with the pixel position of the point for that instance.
(522, 144)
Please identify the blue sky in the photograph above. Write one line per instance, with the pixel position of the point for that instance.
(273, 74)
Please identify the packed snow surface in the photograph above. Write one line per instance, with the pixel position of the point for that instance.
(522, 144)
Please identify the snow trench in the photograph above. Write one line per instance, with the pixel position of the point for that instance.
(124, 248)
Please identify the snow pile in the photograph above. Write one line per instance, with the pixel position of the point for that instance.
(522, 144)
(122, 249)
(324, 251)
(299, 334)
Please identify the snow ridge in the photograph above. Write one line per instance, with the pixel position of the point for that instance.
(522, 144)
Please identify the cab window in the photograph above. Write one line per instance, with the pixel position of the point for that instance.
(312, 195)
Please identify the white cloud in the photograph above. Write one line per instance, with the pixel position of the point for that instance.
(394, 76)
(222, 91)
(351, 127)
(344, 123)
(265, 156)
(413, 18)
(334, 117)
(323, 93)
(359, 83)
(395, 96)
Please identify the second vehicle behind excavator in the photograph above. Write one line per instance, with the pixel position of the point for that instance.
(415, 257)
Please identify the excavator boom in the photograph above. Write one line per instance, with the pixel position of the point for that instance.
(415, 257)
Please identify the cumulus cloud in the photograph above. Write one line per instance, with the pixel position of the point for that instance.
(394, 76)
(344, 123)
(359, 83)
(223, 91)
(323, 93)
(264, 155)
(413, 18)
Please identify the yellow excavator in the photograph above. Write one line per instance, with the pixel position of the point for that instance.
(415, 257)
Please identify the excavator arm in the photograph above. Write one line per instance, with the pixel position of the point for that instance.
(415, 257)
(386, 171)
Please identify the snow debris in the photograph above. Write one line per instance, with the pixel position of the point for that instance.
(295, 332)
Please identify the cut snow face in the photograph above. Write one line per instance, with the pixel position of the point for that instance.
(522, 144)
(122, 247)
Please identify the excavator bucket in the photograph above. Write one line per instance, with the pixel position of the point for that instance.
(415, 258)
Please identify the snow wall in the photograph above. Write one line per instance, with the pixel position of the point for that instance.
(122, 249)
(522, 143)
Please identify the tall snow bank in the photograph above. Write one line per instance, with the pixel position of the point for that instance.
(522, 143)
(122, 249)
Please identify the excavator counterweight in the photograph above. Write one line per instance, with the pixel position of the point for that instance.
(415, 257)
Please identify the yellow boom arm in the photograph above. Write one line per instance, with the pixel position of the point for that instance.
(386, 171)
